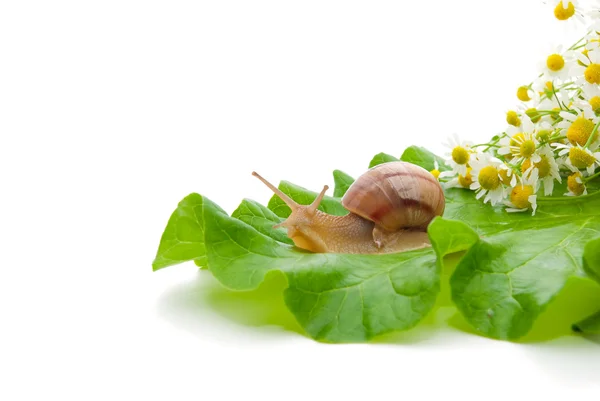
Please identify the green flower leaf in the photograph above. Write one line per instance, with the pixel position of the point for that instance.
(382, 158)
(450, 236)
(520, 262)
(342, 183)
(591, 259)
(341, 298)
(424, 158)
(590, 325)
(183, 238)
(262, 219)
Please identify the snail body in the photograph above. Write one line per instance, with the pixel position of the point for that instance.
(390, 207)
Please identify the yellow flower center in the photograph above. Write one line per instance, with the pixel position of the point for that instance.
(533, 114)
(574, 186)
(555, 62)
(517, 139)
(543, 166)
(488, 178)
(436, 173)
(523, 94)
(580, 130)
(548, 89)
(595, 103)
(513, 119)
(527, 148)
(504, 176)
(519, 196)
(460, 155)
(544, 134)
(467, 180)
(563, 14)
(580, 158)
(592, 73)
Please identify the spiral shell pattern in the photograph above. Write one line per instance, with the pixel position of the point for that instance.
(396, 195)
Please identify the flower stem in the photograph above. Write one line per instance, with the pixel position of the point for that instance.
(591, 138)
(591, 177)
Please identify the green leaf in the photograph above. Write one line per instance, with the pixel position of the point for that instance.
(304, 197)
(591, 259)
(424, 158)
(335, 297)
(450, 236)
(590, 325)
(520, 262)
(344, 298)
(512, 267)
(342, 183)
(262, 219)
(183, 238)
(382, 158)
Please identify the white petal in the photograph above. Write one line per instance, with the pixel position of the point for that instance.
(527, 124)
(567, 116)
(594, 55)
(548, 186)
(511, 210)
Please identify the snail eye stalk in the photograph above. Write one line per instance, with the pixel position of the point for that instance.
(288, 201)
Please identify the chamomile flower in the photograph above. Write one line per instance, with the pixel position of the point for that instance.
(523, 195)
(568, 11)
(436, 170)
(575, 185)
(526, 125)
(546, 169)
(507, 176)
(587, 71)
(525, 93)
(578, 125)
(544, 132)
(579, 158)
(519, 147)
(487, 180)
(551, 97)
(459, 155)
(553, 129)
(589, 98)
(557, 64)
(458, 181)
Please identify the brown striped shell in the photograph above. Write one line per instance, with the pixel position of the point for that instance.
(396, 195)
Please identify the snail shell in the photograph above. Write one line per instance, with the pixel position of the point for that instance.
(396, 195)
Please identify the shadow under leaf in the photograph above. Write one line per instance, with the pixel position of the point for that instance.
(186, 304)
(578, 299)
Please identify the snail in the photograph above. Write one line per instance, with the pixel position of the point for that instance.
(390, 207)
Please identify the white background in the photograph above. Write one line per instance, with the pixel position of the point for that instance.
(112, 111)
